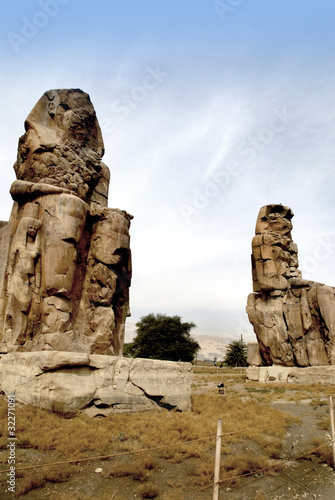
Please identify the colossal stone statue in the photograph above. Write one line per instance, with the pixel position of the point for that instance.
(66, 263)
(293, 319)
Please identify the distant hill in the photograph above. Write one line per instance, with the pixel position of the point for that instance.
(212, 346)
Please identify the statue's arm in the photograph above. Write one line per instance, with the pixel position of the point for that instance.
(21, 189)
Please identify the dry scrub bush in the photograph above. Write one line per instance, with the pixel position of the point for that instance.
(30, 480)
(177, 454)
(245, 464)
(204, 472)
(126, 470)
(317, 402)
(138, 468)
(324, 451)
(272, 448)
(324, 423)
(148, 491)
(232, 467)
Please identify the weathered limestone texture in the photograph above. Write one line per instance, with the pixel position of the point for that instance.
(65, 267)
(293, 319)
(96, 384)
(253, 354)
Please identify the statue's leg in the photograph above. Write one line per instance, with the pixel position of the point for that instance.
(63, 220)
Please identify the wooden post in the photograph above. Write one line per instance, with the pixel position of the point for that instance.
(217, 460)
(332, 426)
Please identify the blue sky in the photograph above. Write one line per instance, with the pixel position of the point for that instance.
(209, 110)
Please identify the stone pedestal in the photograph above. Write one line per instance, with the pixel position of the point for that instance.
(291, 374)
(97, 384)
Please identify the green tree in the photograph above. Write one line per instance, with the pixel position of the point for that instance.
(163, 337)
(236, 354)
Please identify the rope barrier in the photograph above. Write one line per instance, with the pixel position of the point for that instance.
(181, 443)
(104, 457)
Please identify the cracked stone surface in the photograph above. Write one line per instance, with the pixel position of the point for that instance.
(96, 384)
(293, 318)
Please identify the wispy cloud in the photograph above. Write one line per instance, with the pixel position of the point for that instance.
(208, 136)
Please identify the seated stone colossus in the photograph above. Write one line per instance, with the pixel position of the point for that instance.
(293, 318)
(66, 262)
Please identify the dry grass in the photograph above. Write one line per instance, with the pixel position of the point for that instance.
(260, 496)
(81, 436)
(81, 496)
(244, 419)
(324, 423)
(30, 480)
(148, 490)
(324, 453)
(236, 466)
(232, 468)
(138, 468)
(239, 418)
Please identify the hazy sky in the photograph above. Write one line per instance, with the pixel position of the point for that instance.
(209, 110)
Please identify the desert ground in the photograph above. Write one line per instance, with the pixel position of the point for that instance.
(275, 445)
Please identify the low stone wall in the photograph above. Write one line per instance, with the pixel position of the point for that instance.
(309, 375)
(96, 384)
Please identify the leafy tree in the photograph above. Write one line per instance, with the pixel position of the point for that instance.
(236, 354)
(163, 337)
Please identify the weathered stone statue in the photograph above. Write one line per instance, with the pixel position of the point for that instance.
(66, 266)
(294, 319)
(65, 272)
